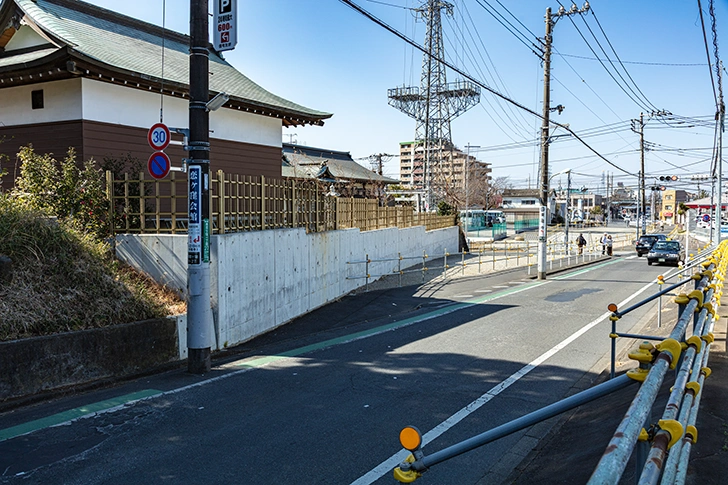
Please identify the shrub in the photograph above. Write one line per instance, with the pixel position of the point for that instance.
(444, 209)
(67, 190)
(64, 278)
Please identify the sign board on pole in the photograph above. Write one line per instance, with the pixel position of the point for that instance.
(225, 24)
(159, 136)
(159, 165)
(194, 211)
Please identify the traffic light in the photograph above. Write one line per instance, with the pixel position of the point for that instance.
(669, 178)
(658, 187)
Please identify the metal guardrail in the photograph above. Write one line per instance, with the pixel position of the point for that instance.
(675, 431)
(496, 255)
(690, 357)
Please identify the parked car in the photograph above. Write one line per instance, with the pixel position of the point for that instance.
(667, 252)
(645, 242)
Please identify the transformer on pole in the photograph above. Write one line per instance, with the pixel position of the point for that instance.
(434, 104)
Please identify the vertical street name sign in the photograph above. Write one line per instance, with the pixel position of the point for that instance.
(225, 24)
(198, 227)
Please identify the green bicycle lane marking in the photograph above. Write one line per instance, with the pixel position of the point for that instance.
(585, 270)
(384, 328)
(71, 414)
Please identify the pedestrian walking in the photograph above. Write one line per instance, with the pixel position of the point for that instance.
(609, 245)
(581, 242)
(603, 242)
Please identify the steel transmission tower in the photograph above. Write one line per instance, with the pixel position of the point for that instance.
(435, 103)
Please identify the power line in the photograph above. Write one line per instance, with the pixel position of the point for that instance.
(707, 53)
(388, 4)
(495, 77)
(666, 64)
(618, 59)
(522, 38)
(394, 31)
(635, 101)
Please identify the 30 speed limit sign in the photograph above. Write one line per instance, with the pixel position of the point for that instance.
(159, 136)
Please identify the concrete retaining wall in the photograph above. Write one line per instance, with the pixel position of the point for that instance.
(34, 365)
(262, 279)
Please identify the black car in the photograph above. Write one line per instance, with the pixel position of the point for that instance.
(645, 242)
(667, 252)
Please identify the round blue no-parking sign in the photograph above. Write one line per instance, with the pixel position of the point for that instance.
(159, 165)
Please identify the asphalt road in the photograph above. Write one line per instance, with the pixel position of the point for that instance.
(322, 400)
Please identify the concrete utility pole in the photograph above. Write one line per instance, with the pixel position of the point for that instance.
(467, 199)
(551, 20)
(642, 173)
(719, 161)
(641, 199)
(544, 189)
(199, 321)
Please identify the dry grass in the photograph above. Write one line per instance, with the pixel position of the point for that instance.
(65, 280)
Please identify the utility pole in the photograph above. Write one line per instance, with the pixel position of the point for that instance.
(641, 179)
(199, 317)
(544, 189)
(551, 20)
(467, 170)
(608, 195)
(719, 161)
(566, 224)
(642, 172)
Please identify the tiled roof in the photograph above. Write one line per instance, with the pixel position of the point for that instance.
(26, 57)
(521, 193)
(129, 45)
(307, 162)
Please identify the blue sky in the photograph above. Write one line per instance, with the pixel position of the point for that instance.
(323, 54)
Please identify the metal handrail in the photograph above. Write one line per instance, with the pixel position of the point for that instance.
(547, 412)
(654, 362)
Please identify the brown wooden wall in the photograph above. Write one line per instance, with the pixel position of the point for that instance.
(52, 138)
(100, 140)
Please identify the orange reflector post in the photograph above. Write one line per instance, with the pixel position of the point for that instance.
(660, 277)
(410, 438)
(612, 307)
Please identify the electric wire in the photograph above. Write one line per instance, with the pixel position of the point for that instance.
(495, 78)
(495, 70)
(522, 38)
(630, 96)
(707, 53)
(394, 31)
(617, 56)
(641, 63)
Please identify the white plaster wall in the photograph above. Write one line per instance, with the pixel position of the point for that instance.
(260, 280)
(61, 102)
(25, 37)
(112, 103)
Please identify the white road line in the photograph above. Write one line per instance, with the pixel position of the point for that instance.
(517, 282)
(634, 256)
(463, 296)
(501, 286)
(484, 291)
(388, 465)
